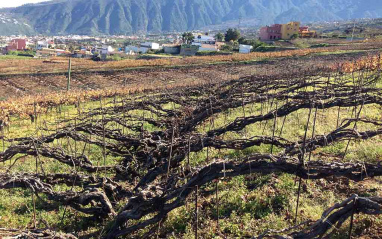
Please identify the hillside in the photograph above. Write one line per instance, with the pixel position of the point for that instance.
(134, 16)
(11, 25)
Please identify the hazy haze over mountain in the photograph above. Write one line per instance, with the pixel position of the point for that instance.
(131, 16)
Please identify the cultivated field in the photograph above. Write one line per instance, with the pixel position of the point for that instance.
(60, 65)
(285, 148)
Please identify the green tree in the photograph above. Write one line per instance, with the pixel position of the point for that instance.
(71, 48)
(219, 37)
(226, 48)
(253, 42)
(13, 53)
(294, 36)
(242, 40)
(232, 35)
(187, 37)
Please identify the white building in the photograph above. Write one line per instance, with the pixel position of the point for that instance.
(245, 49)
(132, 50)
(104, 50)
(203, 39)
(107, 49)
(143, 48)
(151, 45)
(205, 43)
(41, 45)
(30, 44)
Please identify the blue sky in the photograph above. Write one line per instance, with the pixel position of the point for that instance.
(15, 3)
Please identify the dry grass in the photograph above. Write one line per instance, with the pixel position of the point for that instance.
(32, 105)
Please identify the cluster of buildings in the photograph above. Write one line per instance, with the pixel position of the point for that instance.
(200, 43)
(82, 46)
(60, 46)
(285, 32)
(101, 47)
(24, 44)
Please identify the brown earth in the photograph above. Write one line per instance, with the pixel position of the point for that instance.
(163, 77)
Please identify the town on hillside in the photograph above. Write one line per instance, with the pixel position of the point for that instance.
(277, 37)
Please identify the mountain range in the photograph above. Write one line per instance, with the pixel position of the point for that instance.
(115, 17)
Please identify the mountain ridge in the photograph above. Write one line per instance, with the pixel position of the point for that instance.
(114, 17)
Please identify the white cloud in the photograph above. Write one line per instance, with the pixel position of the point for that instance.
(15, 3)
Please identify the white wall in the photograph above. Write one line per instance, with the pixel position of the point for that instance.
(245, 49)
(136, 49)
(151, 45)
(208, 49)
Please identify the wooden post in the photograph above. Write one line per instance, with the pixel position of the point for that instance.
(158, 230)
(338, 116)
(124, 116)
(314, 131)
(3, 137)
(274, 128)
(354, 128)
(34, 210)
(103, 134)
(75, 141)
(196, 212)
(298, 200)
(189, 150)
(69, 74)
(35, 113)
(352, 217)
(217, 205)
(36, 157)
(78, 107)
(169, 158)
(302, 163)
(282, 126)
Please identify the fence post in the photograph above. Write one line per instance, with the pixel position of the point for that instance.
(69, 74)
(217, 204)
(34, 210)
(196, 212)
(352, 217)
